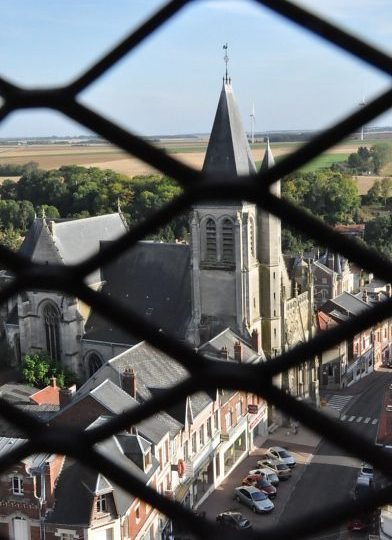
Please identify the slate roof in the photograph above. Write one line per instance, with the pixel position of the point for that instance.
(345, 306)
(154, 370)
(70, 241)
(153, 280)
(228, 149)
(268, 159)
(227, 339)
(74, 500)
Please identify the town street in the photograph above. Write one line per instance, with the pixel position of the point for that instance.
(324, 474)
(331, 474)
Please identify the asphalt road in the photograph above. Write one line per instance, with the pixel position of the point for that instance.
(330, 476)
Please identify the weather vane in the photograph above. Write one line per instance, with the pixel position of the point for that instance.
(226, 59)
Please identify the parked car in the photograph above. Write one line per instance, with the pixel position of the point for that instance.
(359, 523)
(367, 470)
(254, 498)
(281, 469)
(363, 487)
(280, 454)
(233, 520)
(260, 483)
(268, 474)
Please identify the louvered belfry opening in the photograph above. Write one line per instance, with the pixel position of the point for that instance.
(197, 187)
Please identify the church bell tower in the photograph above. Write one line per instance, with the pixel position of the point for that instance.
(224, 239)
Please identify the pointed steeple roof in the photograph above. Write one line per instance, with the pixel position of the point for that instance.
(228, 148)
(268, 159)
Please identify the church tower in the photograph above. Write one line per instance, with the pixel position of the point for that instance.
(225, 273)
(271, 264)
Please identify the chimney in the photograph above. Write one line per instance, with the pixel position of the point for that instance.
(378, 296)
(66, 395)
(53, 382)
(365, 296)
(224, 353)
(128, 382)
(256, 340)
(238, 351)
(389, 291)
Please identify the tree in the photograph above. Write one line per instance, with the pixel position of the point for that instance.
(386, 188)
(37, 369)
(48, 211)
(381, 155)
(378, 234)
(374, 194)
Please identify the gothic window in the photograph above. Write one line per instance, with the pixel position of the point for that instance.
(94, 363)
(51, 318)
(252, 237)
(210, 240)
(227, 240)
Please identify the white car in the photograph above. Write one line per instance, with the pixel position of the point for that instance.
(280, 469)
(268, 474)
(367, 470)
(280, 454)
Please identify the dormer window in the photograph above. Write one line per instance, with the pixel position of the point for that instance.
(17, 485)
(147, 460)
(101, 504)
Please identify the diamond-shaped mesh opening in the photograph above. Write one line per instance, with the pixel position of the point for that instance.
(203, 374)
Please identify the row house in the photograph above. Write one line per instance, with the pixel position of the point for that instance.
(27, 492)
(183, 452)
(351, 360)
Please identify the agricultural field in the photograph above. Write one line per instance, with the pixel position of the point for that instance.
(188, 151)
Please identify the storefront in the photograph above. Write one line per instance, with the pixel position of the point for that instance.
(257, 422)
(233, 448)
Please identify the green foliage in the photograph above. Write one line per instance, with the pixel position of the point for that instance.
(330, 195)
(295, 243)
(11, 169)
(366, 161)
(37, 370)
(74, 191)
(378, 234)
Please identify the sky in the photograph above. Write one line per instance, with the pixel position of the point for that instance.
(170, 84)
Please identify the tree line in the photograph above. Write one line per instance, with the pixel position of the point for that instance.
(77, 192)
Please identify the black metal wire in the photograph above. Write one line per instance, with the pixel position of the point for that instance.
(203, 374)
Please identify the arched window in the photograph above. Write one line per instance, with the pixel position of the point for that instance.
(252, 237)
(210, 240)
(51, 317)
(94, 363)
(227, 240)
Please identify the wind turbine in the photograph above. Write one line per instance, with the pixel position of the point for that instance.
(252, 124)
(362, 104)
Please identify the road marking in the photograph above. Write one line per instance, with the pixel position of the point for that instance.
(338, 402)
(343, 418)
(351, 418)
(359, 419)
(367, 420)
(375, 421)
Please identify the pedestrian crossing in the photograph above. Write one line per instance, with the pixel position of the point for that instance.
(338, 402)
(358, 419)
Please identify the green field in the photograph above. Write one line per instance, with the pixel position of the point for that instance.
(324, 161)
(321, 162)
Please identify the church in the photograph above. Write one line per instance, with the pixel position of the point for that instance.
(231, 275)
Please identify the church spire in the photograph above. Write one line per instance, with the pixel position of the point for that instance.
(228, 149)
(268, 159)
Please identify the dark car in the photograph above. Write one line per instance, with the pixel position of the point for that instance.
(234, 520)
(359, 523)
(261, 484)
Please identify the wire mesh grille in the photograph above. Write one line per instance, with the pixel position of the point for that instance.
(196, 188)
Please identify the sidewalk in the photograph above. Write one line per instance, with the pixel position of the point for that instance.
(304, 442)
